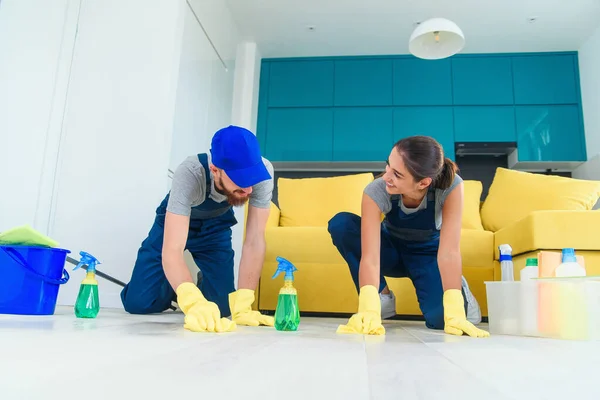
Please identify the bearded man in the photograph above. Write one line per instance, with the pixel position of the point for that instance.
(197, 215)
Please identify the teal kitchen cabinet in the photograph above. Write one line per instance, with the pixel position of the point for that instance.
(422, 82)
(263, 105)
(299, 134)
(482, 80)
(550, 133)
(545, 79)
(362, 134)
(363, 82)
(301, 83)
(436, 122)
(484, 124)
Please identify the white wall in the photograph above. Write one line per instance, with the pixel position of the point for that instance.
(204, 91)
(36, 43)
(105, 98)
(589, 65)
(114, 153)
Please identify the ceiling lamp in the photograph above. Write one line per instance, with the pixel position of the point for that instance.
(436, 38)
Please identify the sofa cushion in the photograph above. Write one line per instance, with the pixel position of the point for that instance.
(515, 194)
(313, 201)
(471, 218)
(551, 230)
(477, 248)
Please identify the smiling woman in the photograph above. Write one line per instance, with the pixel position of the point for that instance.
(419, 188)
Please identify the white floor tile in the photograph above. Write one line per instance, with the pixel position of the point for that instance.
(118, 356)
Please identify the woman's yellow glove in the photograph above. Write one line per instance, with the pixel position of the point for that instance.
(240, 303)
(368, 319)
(455, 320)
(201, 315)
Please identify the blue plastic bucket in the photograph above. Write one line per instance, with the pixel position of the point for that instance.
(30, 277)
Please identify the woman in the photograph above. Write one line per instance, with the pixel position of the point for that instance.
(419, 190)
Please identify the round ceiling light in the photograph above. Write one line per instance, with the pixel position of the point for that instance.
(436, 38)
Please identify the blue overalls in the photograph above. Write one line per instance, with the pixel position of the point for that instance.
(209, 242)
(409, 246)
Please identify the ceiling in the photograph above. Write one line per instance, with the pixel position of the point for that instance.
(357, 27)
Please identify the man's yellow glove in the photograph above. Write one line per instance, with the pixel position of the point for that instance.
(201, 315)
(455, 320)
(368, 319)
(240, 303)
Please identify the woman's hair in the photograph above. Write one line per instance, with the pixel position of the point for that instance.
(424, 157)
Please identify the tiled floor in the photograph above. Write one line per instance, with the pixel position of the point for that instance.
(120, 356)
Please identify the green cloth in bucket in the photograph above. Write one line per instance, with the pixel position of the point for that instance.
(27, 236)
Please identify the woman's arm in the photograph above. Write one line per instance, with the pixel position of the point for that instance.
(449, 259)
(370, 228)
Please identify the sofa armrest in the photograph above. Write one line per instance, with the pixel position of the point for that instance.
(551, 230)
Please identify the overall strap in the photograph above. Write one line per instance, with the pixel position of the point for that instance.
(203, 158)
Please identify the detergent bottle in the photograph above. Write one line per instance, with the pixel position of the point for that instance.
(531, 269)
(506, 263)
(287, 313)
(569, 265)
(87, 304)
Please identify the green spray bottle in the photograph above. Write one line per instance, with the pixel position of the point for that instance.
(87, 304)
(287, 313)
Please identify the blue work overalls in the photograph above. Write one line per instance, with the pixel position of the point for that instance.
(209, 242)
(409, 246)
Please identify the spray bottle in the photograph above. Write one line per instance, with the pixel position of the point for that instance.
(287, 313)
(87, 304)
(506, 263)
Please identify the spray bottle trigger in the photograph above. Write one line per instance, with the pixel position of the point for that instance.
(87, 259)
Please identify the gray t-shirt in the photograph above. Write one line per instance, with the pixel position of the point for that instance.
(189, 188)
(376, 191)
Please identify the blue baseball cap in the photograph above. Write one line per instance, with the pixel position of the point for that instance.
(236, 151)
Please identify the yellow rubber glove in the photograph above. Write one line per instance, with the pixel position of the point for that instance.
(240, 303)
(368, 319)
(201, 315)
(455, 319)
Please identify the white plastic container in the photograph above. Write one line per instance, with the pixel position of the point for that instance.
(561, 308)
(569, 266)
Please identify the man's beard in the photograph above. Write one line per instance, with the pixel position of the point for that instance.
(232, 197)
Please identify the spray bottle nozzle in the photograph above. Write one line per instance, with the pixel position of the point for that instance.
(285, 266)
(89, 260)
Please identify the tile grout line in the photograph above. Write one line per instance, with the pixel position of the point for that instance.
(463, 369)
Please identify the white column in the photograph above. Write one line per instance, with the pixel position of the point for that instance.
(244, 111)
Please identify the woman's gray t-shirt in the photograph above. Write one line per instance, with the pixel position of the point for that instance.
(376, 191)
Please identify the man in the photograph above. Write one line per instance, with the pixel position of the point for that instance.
(197, 215)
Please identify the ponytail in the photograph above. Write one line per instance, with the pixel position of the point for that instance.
(446, 177)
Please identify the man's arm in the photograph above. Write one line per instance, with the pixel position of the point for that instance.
(175, 237)
(449, 259)
(253, 250)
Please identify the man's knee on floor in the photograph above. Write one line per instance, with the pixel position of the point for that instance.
(342, 223)
(140, 305)
(434, 319)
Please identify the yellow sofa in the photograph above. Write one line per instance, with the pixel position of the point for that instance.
(297, 231)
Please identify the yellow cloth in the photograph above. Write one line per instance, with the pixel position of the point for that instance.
(368, 319)
(515, 194)
(240, 303)
(455, 320)
(201, 315)
(300, 207)
(471, 218)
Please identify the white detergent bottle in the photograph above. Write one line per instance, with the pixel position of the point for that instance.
(531, 269)
(506, 263)
(569, 265)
